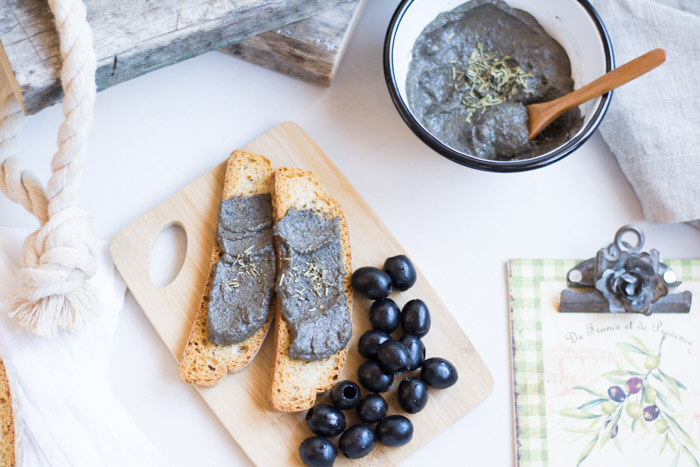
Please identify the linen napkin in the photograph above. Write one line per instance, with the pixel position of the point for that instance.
(652, 124)
(70, 416)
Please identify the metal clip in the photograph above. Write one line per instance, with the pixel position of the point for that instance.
(624, 280)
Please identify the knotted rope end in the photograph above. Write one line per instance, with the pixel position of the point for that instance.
(61, 256)
(47, 316)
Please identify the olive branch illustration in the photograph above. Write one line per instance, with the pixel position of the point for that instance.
(641, 395)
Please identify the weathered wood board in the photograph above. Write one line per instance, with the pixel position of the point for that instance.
(240, 400)
(132, 37)
(311, 49)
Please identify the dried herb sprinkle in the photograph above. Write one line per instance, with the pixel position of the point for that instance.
(487, 79)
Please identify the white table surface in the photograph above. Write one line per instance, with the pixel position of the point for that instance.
(155, 134)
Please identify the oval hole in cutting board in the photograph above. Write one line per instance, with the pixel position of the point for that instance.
(167, 255)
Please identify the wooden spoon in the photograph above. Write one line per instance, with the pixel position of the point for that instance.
(541, 115)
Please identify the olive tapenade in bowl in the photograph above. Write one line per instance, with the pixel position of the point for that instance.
(461, 73)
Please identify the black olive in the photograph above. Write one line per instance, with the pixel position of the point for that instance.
(369, 342)
(371, 282)
(346, 395)
(325, 420)
(318, 452)
(413, 394)
(394, 430)
(393, 356)
(438, 373)
(373, 377)
(385, 315)
(616, 393)
(402, 273)
(372, 408)
(357, 441)
(415, 318)
(416, 350)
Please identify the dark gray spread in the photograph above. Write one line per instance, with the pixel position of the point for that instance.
(310, 285)
(243, 282)
(435, 94)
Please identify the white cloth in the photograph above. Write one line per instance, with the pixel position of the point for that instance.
(652, 124)
(70, 416)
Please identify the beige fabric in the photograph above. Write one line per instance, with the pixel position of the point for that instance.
(653, 125)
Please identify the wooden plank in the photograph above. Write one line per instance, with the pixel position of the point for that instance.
(132, 37)
(310, 49)
(240, 400)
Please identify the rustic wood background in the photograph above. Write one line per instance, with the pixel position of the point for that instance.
(310, 49)
(133, 37)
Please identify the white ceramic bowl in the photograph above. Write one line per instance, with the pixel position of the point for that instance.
(573, 23)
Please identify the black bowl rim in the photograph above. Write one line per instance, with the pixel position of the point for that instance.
(486, 164)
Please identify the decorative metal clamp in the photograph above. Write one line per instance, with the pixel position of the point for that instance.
(624, 280)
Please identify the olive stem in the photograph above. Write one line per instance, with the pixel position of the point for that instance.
(669, 430)
(660, 344)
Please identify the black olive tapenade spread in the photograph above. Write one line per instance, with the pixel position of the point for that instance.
(243, 282)
(474, 69)
(310, 285)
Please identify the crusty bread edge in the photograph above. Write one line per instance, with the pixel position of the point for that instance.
(248, 349)
(331, 367)
(15, 458)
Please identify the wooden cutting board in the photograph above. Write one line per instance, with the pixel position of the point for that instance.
(240, 400)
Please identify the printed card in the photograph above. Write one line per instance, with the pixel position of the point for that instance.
(598, 389)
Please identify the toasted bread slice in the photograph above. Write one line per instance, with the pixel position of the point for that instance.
(10, 419)
(204, 363)
(296, 382)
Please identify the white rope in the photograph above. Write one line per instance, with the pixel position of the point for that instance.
(23, 188)
(60, 256)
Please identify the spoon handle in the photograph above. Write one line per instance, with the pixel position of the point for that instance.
(614, 79)
(541, 115)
